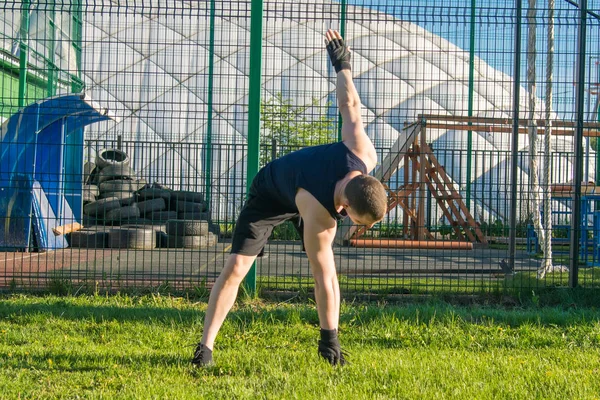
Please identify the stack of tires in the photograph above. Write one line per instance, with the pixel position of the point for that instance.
(189, 234)
(109, 200)
(184, 213)
(142, 216)
(114, 185)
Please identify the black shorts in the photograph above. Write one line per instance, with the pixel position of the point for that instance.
(261, 213)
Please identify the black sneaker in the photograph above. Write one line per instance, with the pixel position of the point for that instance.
(202, 356)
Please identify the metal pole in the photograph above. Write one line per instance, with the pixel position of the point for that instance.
(256, 18)
(597, 110)
(471, 89)
(512, 248)
(23, 52)
(77, 85)
(576, 221)
(51, 90)
(343, 7)
(209, 105)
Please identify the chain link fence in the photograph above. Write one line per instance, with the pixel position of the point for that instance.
(143, 172)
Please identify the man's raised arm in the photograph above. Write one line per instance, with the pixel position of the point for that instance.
(353, 133)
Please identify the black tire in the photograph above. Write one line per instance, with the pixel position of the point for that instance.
(162, 240)
(115, 172)
(136, 221)
(194, 215)
(90, 171)
(183, 227)
(100, 207)
(88, 239)
(161, 216)
(107, 157)
(120, 185)
(146, 225)
(126, 198)
(188, 206)
(141, 183)
(191, 242)
(88, 220)
(154, 193)
(89, 194)
(126, 238)
(148, 206)
(123, 213)
(92, 189)
(186, 195)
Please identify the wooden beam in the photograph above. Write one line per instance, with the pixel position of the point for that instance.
(422, 188)
(390, 163)
(404, 213)
(470, 221)
(507, 129)
(425, 118)
(441, 188)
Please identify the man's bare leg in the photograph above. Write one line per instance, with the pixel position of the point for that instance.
(222, 297)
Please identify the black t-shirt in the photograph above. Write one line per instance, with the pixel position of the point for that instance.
(315, 169)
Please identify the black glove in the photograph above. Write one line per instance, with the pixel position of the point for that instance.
(329, 347)
(339, 54)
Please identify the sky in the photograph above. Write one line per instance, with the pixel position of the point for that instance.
(495, 38)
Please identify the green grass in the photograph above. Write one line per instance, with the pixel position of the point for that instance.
(522, 285)
(139, 347)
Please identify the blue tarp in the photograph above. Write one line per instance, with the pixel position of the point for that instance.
(41, 161)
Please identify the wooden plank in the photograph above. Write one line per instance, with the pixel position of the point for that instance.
(413, 199)
(441, 188)
(448, 186)
(505, 129)
(412, 217)
(404, 213)
(390, 163)
(445, 211)
(471, 222)
(422, 188)
(425, 118)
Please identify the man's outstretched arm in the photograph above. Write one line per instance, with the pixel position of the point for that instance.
(353, 133)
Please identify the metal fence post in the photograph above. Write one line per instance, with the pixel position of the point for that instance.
(576, 222)
(51, 90)
(512, 241)
(209, 105)
(470, 111)
(23, 52)
(254, 89)
(343, 7)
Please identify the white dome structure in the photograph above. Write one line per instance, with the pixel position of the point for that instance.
(151, 70)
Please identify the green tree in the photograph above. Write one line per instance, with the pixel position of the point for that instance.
(293, 127)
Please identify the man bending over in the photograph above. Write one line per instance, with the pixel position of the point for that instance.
(313, 187)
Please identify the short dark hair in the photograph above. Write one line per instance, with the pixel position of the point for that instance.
(367, 196)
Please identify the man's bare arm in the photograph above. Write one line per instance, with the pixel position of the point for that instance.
(353, 133)
(319, 233)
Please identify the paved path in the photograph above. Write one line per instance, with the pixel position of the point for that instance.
(154, 267)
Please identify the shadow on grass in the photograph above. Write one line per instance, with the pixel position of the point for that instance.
(268, 313)
(89, 362)
(67, 311)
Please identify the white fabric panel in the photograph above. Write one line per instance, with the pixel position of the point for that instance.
(182, 61)
(382, 90)
(421, 74)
